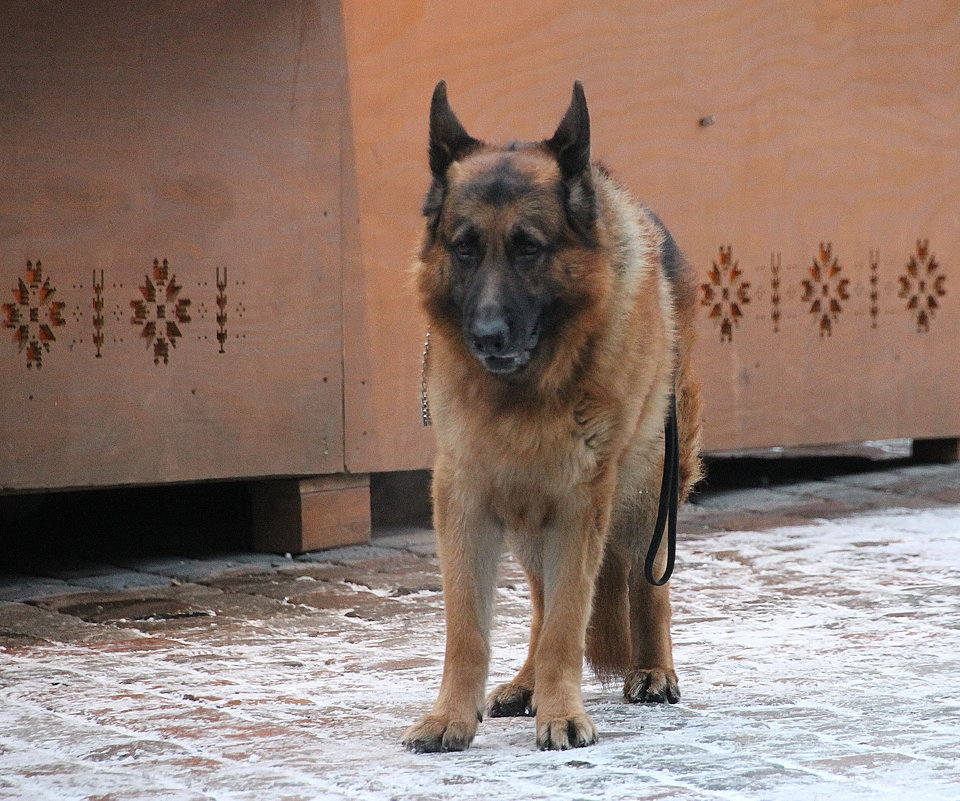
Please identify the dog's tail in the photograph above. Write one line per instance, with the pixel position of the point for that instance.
(690, 417)
(608, 634)
(689, 403)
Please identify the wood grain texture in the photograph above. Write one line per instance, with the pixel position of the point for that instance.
(285, 143)
(834, 122)
(207, 134)
(298, 515)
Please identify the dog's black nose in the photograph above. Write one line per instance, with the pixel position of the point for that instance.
(490, 334)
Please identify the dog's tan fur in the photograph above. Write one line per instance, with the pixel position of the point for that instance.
(562, 464)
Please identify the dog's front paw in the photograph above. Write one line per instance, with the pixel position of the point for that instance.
(559, 734)
(431, 734)
(654, 685)
(510, 700)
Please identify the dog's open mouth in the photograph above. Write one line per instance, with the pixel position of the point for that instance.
(505, 365)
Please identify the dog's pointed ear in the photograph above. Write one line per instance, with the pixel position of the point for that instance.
(449, 142)
(571, 142)
(570, 145)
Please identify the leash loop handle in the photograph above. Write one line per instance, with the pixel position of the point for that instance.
(669, 500)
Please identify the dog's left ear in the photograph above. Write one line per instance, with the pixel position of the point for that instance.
(570, 146)
(571, 142)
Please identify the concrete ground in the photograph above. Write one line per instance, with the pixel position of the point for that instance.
(817, 638)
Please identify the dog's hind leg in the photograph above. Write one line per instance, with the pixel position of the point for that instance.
(515, 698)
(469, 548)
(651, 677)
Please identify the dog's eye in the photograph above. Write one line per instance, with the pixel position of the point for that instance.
(526, 248)
(465, 250)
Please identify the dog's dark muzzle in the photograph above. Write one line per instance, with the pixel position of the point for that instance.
(498, 345)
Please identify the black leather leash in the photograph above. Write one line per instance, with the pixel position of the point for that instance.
(669, 500)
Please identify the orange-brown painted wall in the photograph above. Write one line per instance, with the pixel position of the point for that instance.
(278, 148)
(206, 135)
(834, 123)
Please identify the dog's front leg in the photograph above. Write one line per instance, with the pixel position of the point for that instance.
(572, 555)
(470, 546)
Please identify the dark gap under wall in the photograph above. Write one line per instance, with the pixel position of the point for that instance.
(400, 499)
(183, 519)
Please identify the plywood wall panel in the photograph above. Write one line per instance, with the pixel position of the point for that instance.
(204, 135)
(832, 123)
(274, 154)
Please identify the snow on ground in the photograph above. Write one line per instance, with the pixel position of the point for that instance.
(816, 662)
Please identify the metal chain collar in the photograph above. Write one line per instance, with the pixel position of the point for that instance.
(424, 401)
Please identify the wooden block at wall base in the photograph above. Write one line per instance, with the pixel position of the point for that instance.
(939, 451)
(294, 515)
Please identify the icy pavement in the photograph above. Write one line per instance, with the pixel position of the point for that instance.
(817, 638)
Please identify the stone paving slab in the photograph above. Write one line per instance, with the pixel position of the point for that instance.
(932, 483)
(416, 540)
(27, 588)
(188, 569)
(24, 624)
(847, 496)
(816, 637)
(120, 580)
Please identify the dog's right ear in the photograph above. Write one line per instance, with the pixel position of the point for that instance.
(449, 142)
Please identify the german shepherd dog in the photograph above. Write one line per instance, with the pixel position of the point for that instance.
(561, 321)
